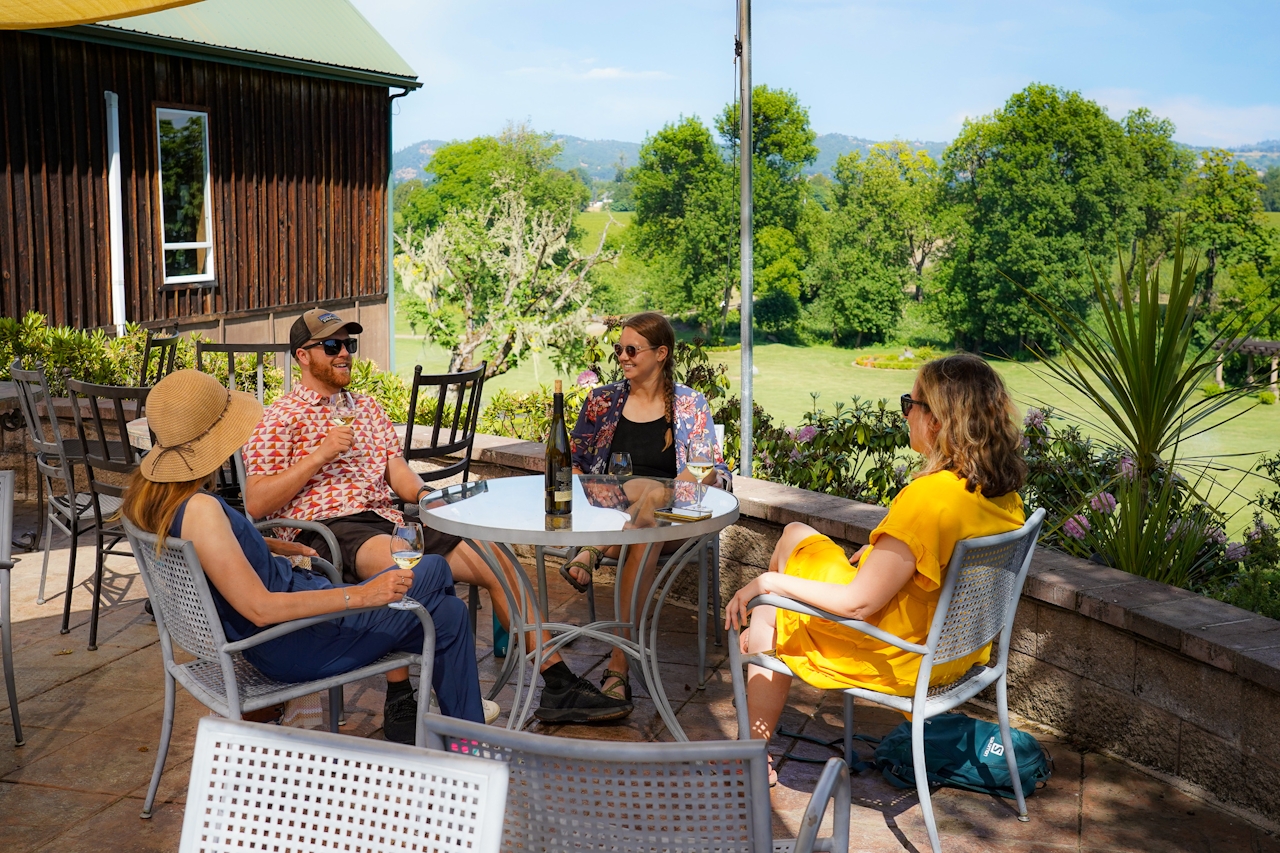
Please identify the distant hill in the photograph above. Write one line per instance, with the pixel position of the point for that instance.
(600, 156)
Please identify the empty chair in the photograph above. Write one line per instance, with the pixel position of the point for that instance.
(220, 677)
(6, 633)
(102, 414)
(569, 794)
(263, 355)
(452, 405)
(164, 350)
(978, 601)
(317, 791)
(65, 508)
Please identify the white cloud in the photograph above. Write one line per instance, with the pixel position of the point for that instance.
(1199, 122)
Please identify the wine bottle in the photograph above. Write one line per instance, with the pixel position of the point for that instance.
(559, 483)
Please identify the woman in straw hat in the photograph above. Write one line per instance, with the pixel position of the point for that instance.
(198, 424)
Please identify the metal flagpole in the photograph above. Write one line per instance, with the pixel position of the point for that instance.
(745, 159)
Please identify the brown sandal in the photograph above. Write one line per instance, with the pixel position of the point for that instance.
(588, 565)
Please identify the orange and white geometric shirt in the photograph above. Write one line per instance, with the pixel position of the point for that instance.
(294, 426)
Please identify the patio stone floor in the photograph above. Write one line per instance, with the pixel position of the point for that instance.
(92, 721)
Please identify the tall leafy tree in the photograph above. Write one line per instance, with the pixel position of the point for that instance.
(462, 176)
(1041, 187)
(1162, 168)
(1271, 189)
(1223, 213)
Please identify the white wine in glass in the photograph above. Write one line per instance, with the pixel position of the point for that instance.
(699, 464)
(406, 551)
(344, 409)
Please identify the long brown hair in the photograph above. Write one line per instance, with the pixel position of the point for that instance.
(152, 506)
(979, 437)
(655, 329)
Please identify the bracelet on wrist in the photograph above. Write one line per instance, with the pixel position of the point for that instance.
(347, 597)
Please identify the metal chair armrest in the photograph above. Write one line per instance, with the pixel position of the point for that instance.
(784, 603)
(314, 527)
(279, 630)
(833, 787)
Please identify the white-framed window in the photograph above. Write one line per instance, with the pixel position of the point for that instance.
(186, 200)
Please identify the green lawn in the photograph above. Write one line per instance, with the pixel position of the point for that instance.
(788, 375)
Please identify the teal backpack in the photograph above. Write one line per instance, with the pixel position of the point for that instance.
(961, 752)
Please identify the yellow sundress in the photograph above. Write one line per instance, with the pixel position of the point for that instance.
(930, 515)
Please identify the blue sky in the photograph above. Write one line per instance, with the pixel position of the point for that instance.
(880, 69)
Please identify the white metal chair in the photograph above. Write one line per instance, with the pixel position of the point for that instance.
(6, 633)
(220, 677)
(570, 794)
(261, 787)
(978, 601)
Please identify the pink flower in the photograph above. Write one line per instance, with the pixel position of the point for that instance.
(1035, 420)
(1128, 468)
(1076, 526)
(806, 434)
(587, 378)
(1237, 551)
(1103, 502)
(796, 455)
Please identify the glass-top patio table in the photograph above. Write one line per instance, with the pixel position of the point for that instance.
(495, 515)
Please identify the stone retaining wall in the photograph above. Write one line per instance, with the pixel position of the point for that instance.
(1176, 683)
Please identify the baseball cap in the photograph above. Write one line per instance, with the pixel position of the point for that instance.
(316, 325)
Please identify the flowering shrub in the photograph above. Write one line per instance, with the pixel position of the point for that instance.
(852, 452)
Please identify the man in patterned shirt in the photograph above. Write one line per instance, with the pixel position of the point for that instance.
(299, 464)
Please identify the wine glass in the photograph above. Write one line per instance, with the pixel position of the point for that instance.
(699, 464)
(344, 409)
(620, 464)
(406, 550)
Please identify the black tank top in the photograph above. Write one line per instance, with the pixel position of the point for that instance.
(644, 443)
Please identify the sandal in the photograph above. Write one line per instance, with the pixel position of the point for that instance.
(624, 685)
(773, 774)
(587, 565)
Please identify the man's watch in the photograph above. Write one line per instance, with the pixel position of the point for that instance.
(425, 487)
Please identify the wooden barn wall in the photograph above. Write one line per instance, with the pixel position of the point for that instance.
(298, 171)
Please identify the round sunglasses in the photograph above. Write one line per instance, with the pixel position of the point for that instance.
(333, 346)
(629, 349)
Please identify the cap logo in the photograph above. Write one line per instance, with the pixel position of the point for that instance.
(325, 318)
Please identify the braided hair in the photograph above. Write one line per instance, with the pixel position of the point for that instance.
(655, 329)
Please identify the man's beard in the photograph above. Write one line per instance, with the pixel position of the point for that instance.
(326, 373)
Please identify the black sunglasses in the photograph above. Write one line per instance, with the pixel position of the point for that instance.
(629, 349)
(333, 346)
(907, 403)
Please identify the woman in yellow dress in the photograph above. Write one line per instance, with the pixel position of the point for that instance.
(963, 422)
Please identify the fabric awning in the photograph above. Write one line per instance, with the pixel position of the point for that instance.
(34, 14)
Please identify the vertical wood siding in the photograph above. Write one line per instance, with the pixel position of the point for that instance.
(298, 171)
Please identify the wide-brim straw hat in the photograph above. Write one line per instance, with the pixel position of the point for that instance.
(197, 425)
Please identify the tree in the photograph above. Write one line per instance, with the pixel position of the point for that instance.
(462, 177)
(1271, 189)
(1222, 213)
(858, 296)
(889, 200)
(494, 282)
(1042, 187)
(1163, 168)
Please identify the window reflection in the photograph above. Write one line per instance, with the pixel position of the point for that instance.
(184, 189)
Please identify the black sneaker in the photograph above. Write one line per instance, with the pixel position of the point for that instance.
(580, 702)
(400, 719)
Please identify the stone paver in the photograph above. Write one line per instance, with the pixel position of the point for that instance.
(92, 720)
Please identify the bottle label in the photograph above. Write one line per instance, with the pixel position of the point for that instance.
(564, 485)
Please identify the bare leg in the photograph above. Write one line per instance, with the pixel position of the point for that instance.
(466, 565)
(629, 575)
(767, 690)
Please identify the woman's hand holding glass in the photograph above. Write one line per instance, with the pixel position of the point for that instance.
(406, 550)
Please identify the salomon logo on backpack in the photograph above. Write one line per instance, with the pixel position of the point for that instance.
(961, 752)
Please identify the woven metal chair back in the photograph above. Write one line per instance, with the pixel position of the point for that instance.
(453, 401)
(179, 593)
(263, 355)
(259, 787)
(569, 794)
(984, 580)
(164, 351)
(102, 414)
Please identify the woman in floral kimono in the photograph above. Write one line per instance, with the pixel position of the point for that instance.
(660, 424)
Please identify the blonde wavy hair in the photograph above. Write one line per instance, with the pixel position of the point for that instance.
(978, 437)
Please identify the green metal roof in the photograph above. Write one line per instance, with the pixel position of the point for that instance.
(322, 37)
